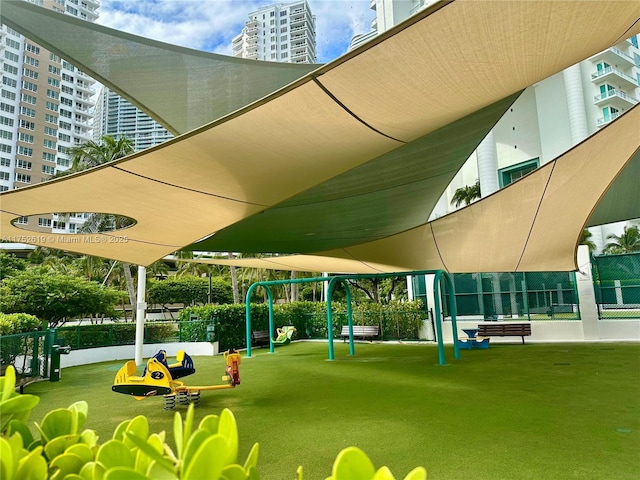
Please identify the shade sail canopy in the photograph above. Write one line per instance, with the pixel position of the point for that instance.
(351, 158)
(181, 88)
(531, 225)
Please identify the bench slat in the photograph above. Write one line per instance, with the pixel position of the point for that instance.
(505, 330)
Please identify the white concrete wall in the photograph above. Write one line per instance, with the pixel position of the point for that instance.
(126, 352)
(548, 331)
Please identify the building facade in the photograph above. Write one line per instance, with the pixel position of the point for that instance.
(284, 32)
(46, 107)
(548, 119)
(116, 117)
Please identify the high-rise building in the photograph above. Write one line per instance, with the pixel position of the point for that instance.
(548, 119)
(116, 117)
(45, 107)
(284, 32)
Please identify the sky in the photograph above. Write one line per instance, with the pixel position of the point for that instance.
(210, 25)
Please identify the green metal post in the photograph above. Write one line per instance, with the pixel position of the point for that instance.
(438, 314)
(248, 315)
(330, 318)
(352, 350)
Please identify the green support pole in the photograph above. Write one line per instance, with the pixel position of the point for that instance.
(271, 329)
(454, 320)
(352, 350)
(438, 313)
(330, 318)
(248, 315)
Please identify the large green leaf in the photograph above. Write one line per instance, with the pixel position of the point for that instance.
(210, 422)
(252, 458)
(8, 383)
(56, 423)
(81, 450)
(32, 466)
(58, 445)
(418, 473)
(93, 471)
(228, 428)
(18, 426)
(383, 474)
(139, 427)
(124, 473)
(157, 472)
(233, 472)
(209, 460)
(89, 437)
(114, 453)
(118, 433)
(194, 443)
(80, 410)
(188, 426)
(352, 463)
(66, 464)
(7, 464)
(177, 433)
(149, 448)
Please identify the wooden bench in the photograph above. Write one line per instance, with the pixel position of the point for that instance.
(504, 330)
(260, 338)
(361, 331)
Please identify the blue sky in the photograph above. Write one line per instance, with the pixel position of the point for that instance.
(211, 24)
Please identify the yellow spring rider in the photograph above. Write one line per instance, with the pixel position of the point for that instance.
(157, 380)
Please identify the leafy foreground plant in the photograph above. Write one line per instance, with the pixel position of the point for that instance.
(66, 452)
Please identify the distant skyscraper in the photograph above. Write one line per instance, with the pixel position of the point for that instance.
(284, 32)
(45, 108)
(116, 117)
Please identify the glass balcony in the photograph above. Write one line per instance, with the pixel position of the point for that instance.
(610, 73)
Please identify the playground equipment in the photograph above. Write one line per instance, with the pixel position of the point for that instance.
(158, 380)
(284, 335)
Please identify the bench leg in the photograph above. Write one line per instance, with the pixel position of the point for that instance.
(523, 339)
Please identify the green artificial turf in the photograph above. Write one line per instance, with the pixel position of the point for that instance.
(551, 411)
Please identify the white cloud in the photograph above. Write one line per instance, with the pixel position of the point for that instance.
(211, 24)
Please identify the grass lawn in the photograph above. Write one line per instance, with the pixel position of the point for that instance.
(552, 411)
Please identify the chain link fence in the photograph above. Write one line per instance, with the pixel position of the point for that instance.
(617, 285)
(27, 352)
(498, 296)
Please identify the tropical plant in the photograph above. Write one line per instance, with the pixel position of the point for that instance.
(10, 264)
(628, 242)
(585, 239)
(61, 448)
(92, 154)
(466, 194)
(54, 297)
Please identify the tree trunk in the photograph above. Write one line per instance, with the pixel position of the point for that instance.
(234, 281)
(130, 289)
(294, 286)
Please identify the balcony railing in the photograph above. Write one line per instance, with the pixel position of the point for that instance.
(614, 71)
(615, 93)
(603, 121)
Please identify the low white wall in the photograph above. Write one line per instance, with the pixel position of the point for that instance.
(126, 352)
(558, 331)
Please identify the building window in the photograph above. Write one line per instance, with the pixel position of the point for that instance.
(23, 164)
(4, 176)
(25, 137)
(44, 222)
(22, 220)
(23, 178)
(512, 173)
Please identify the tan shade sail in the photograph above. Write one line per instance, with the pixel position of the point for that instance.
(533, 224)
(347, 157)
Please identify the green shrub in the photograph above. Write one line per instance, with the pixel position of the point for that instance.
(18, 323)
(64, 451)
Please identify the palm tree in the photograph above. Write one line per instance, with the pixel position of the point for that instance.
(92, 154)
(466, 194)
(585, 239)
(628, 242)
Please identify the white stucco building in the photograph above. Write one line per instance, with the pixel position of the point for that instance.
(284, 32)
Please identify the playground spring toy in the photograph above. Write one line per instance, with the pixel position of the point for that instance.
(159, 378)
(284, 335)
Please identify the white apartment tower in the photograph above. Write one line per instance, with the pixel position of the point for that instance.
(549, 117)
(45, 108)
(116, 117)
(284, 32)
